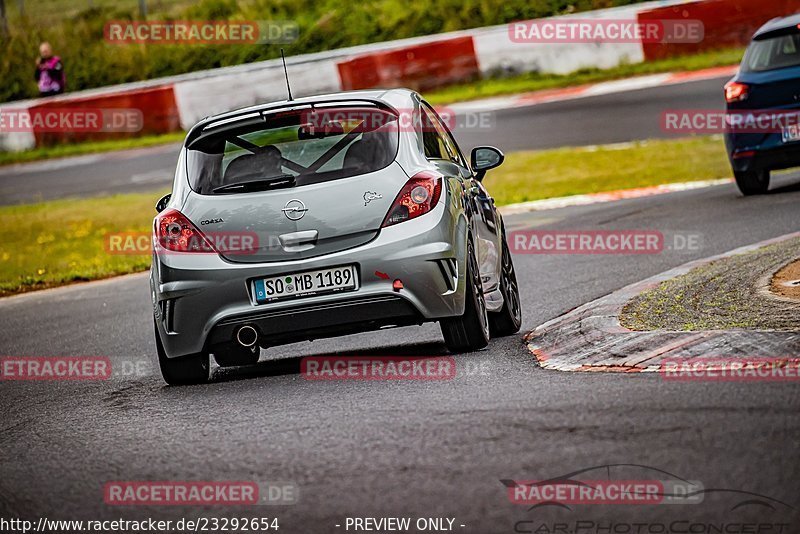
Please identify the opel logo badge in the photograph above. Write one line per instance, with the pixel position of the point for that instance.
(294, 210)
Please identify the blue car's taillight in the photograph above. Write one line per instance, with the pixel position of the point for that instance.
(736, 92)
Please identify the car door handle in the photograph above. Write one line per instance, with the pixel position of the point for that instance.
(299, 241)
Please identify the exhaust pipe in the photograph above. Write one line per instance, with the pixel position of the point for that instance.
(247, 336)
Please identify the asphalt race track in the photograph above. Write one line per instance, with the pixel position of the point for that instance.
(409, 448)
(611, 118)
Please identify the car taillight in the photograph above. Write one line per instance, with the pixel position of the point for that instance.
(735, 91)
(418, 196)
(177, 233)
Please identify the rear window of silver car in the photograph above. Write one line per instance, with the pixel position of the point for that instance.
(773, 53)
(292, 149)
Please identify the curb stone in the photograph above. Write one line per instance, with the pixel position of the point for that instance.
(591, 338)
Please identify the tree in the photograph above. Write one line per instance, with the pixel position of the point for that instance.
(3, 21)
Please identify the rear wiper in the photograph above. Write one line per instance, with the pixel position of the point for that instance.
(275, 182)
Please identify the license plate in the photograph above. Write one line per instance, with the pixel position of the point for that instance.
(791, 133)
(306, 284)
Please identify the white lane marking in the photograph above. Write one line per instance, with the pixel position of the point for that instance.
(547, 96)
(49, 165)
(88, 159)
(629, 84)
(613, 146)
(487, 104)
(610, 196)
(536, 205)
(158, 175)
(50, 294)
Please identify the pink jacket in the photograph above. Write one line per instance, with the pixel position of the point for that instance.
(50, 75)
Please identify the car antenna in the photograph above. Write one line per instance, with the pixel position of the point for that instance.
(286, 73)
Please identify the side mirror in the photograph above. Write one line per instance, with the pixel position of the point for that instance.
(485, 158)
(161, 205)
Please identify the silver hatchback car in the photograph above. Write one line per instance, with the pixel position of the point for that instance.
(325, 216)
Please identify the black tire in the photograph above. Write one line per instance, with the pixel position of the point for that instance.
(752, 182)
(183, 371)
(508, 320)
(470, 331)
(235, 355)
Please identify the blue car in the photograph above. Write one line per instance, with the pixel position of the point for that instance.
(768, 80)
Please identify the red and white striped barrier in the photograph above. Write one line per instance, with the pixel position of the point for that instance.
(726, 23)
(422, 63)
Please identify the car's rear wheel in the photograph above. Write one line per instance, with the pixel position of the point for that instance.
(186, 370)
(508, 320)
(469, 331)
(752, 182)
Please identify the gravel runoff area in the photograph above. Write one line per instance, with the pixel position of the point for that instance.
(730, 293)
(786, 282)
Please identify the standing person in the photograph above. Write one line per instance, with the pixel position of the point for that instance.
(49, 72)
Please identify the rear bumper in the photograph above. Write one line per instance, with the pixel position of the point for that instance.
(768, 160)
(321, 320)
(200, 300)
(769, 152)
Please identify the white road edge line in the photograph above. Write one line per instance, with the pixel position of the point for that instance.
(76, 286)
(535, 205)
(623, 85)
(609, 196)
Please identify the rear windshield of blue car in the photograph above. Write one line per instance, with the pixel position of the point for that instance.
(773, 53)
(292, 148)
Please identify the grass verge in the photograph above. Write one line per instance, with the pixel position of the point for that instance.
(92, 147)
(721, 295)
(523, 83)
(64, 241)
(60, 242)
(561, 172)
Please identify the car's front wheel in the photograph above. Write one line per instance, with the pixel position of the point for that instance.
(186, 370)
(469, 331)
(508, 320)
(752, 182)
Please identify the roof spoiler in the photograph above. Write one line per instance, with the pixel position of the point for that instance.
(258, 114)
